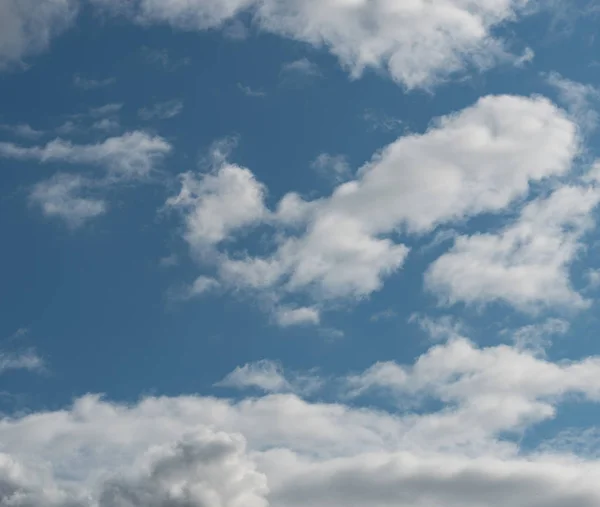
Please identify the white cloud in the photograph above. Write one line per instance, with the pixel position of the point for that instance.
(527, 263)
(105, 110)
(287, 317)
(582, 100)
(28, 26)
(334, 167)
(491, 390)
(161, 110)
(61, 197)
(218, 203)
(27, 360)
(23, 130)
(92, 84)
(536, 338)
(131, 155)
(420, 43)
(269, 376)
(285, 451)
(205, 469)
(479, 160)
(250, 92)
(106, 124)
(301, 67)
(265, 375)
(202, 285)
(593, 276)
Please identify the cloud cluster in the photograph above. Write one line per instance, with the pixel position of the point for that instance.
(343, 246)
(73, 197)
(286, 451)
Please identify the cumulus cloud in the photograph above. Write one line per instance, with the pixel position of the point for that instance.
(265, 375)
(28, 26)
(419, 43)
(282, 450)
(527, 263)
(205, 469)
(63, 196)
(479, 160)
(218, 203)
(131, 155)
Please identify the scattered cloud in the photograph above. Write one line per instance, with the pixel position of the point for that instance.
(269, 377)
(161, 110)
(23, 130)
(106, 124)
(105, 110)
(131, 155)
(246, 90)
(299, 72)
(341, 247)
(27, 360)
(280, 449)
(383, 315)
(92, 84)
(287, 317)
(581, 100)
(26, 28)
(526, 264)
(64, 196)
(381, 121)
(265, 375)
(537, 338)
(236, 30)
(593, 277)
(333, 167)
(161, 58)
(439, 329)
(420, 43)
(169, 261)
(218, 203)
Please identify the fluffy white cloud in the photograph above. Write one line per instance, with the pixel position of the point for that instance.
(285, 451)
(28, 26)
(296, 316)
(418, 42)
(265, 375)
(479, 160)
(217, 204)
(205, 469)
(132, 155)
(61, 197)
(527, 263)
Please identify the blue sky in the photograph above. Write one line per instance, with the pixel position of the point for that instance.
(278, 252)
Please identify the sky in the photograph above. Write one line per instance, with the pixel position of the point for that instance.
(273, 253)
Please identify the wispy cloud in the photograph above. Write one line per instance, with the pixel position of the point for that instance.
(161, 110)
(23, 130)
(250, 92)
(91, 84)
